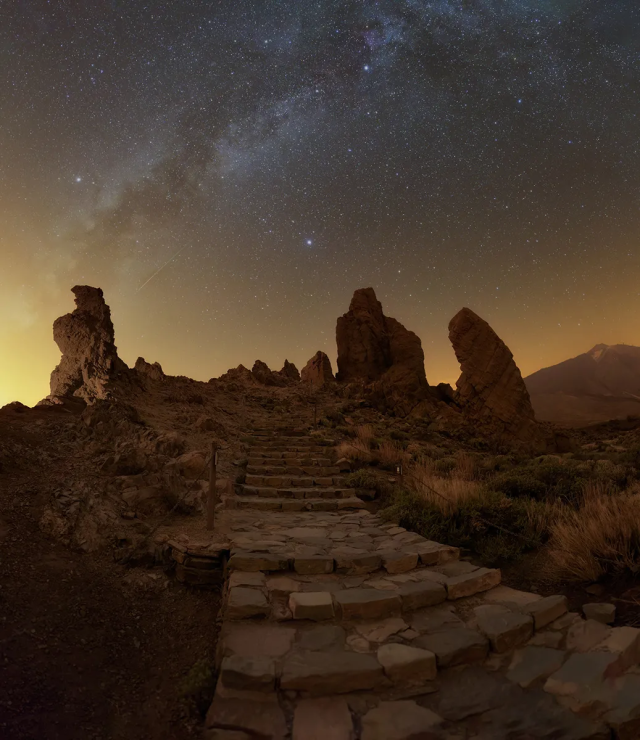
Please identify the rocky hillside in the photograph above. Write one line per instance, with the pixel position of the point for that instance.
(598, 385)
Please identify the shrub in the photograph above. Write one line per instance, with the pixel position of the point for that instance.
(464, 521)
(518, 485)
(399, 436)
(335, 417)
(355, 450)
(368, 479)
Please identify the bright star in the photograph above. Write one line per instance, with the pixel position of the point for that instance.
(309, 242)
(78, 179)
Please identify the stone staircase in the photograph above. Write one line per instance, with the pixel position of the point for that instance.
(337, 625)
(287, 471)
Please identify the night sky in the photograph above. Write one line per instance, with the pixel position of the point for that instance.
(229, 172)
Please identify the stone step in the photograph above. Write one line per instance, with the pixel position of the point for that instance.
(280, 441)
(316, 461)
(297, 450)
(294, 470)
(294, 481)
(293, 597)
(295, 493)
(293, 455)
(292, 504)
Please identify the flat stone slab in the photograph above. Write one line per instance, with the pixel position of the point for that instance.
(249, 561)
(604, 613)
(472, 583)
(322, 719)
(399, 562)
(335, 672)
(367, 603)
(407, 665)
(399, 720)
(581, 681)
(455, 647)
(262, 718)
(505, 629)
(315, 605)
(324, 637)
(422, 594)
(256, 640)
(547, 610)
(436, 619)
(248, 673)
(533, 665)
(245, 603)
(313, 565)
(381, 631)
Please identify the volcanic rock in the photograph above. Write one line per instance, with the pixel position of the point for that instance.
(239, 374)
(264, 375)
(290, 372)
(151, 370)
(318, 370)
(374, 348)
(490, 389)
(89, 356)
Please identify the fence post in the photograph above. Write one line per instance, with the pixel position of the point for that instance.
(211, 499)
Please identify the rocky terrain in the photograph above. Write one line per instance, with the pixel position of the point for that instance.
(106, 482)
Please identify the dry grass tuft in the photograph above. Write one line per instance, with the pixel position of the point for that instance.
(365, 434)
(446, 494)
(390, 453)
(355, 450)
(466, 467)
(601, 537)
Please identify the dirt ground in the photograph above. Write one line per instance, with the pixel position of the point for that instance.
(89, 648)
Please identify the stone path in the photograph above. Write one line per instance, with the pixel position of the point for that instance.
(339, 626)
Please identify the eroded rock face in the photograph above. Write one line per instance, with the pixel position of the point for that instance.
(373, 348)
(290, 372)
(152, 370)
(240, 374)
(264, 375)
(318, 370)
(490, 390)
(89, 355)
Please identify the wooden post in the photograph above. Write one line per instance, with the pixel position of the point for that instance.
(211, 499)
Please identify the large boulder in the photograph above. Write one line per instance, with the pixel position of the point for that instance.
(490, 390)
(318, 370)
(373, 348)
(89, 356)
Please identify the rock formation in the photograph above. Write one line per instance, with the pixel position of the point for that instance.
(318, 370)
(373, 348)
(89, 355)
(240, 374)
(151, 370)
(264, 375)
(290, 372)
(490, 390)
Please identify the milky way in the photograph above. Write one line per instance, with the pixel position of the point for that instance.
(229, 172)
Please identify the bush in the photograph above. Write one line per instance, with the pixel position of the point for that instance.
(518, 485)
(465, 525)
(399, 436)
(369, 480)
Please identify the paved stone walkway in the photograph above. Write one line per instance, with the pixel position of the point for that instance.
(339, 626)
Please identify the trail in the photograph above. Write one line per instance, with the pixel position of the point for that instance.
(159, 270)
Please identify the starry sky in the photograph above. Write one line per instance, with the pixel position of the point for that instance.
(230, 171)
